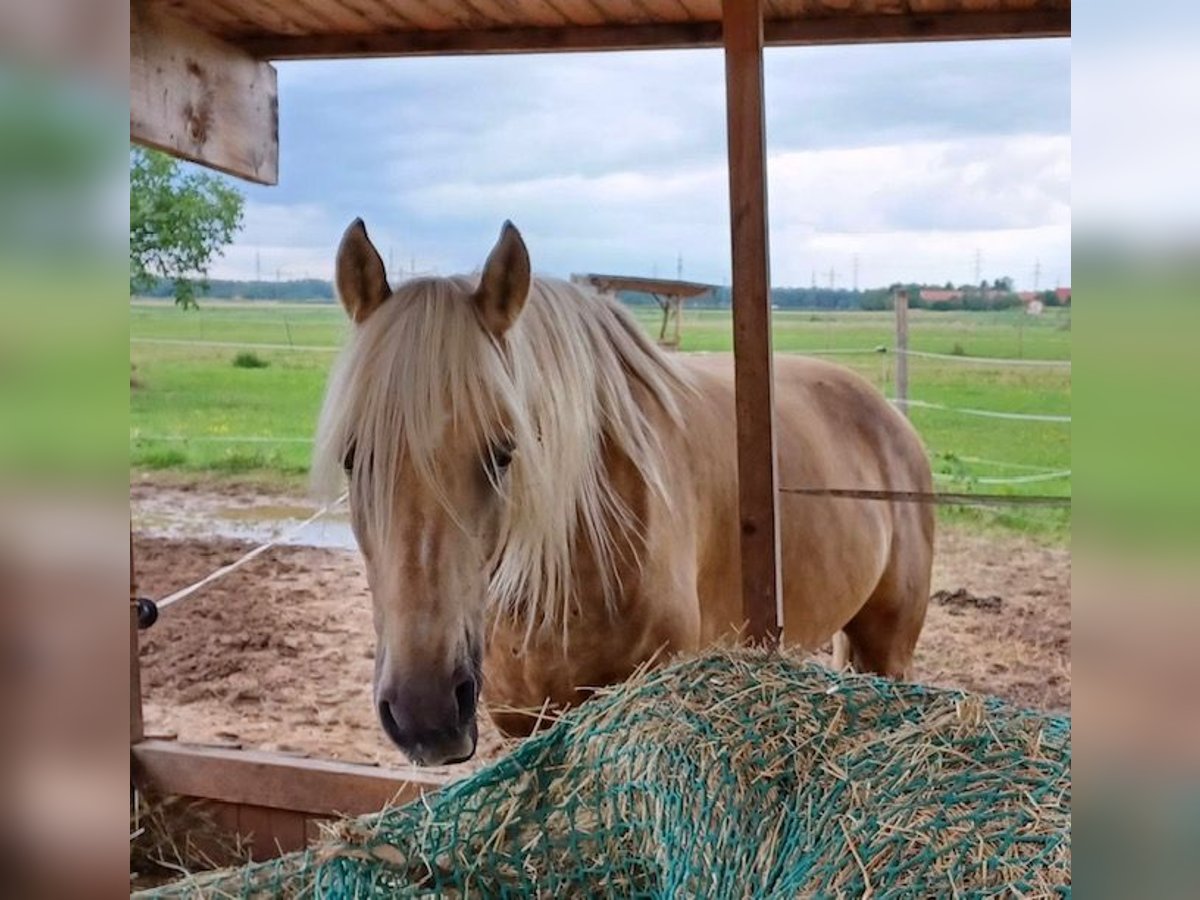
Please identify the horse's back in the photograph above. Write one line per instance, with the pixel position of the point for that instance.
(833, 430)
(838, 417)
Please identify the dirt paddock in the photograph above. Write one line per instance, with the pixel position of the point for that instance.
(279, 654)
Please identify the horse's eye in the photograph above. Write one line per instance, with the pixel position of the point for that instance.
(500, 456)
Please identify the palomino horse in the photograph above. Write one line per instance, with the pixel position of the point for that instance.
(545, 501)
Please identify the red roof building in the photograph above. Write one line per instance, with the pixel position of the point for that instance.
(934, 295)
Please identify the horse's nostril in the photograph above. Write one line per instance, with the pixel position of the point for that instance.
(390, 726)
(464, 696)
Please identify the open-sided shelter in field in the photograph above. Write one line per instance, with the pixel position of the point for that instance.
(203, 88)
(669, 294)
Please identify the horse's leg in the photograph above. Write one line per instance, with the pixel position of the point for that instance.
(883, 634)
(841, 652)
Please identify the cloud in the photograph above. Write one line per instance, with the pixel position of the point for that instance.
(617, 161)
(978, 184)
(285, 241)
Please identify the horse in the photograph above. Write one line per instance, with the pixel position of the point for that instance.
(545, 501)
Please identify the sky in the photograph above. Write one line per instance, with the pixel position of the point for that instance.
(886, 163)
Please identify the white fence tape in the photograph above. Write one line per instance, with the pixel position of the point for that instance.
(1016, 479)
(235, 345)
(986, 413)
(183, 593)
(998, 463)
(220, 439)
(987, 360)
(839, 351)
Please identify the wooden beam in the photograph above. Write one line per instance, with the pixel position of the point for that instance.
(200, 98)
(311, 786)
(847, 29)
(915, 27)
(467, 41)
(753, 370)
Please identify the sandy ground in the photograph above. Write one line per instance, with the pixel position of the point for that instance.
(278, 655)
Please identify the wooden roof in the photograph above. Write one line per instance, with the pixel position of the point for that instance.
(202, 85)
(664, 286)
(283, 29)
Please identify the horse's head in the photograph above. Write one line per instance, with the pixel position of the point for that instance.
(421, 414)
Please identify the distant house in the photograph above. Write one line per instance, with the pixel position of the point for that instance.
(1064, 295)
(937, 295)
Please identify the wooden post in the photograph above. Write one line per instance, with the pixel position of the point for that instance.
(901, 304)
(200, 98)
(664, 303)
(136, 730)
(759, 514)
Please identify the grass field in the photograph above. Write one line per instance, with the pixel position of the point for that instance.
(192, 409)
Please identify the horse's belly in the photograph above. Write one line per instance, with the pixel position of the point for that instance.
(833, 430)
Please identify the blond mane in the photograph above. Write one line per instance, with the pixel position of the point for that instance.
(560, 385)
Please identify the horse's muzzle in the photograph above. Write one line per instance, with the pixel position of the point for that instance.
(432, 721)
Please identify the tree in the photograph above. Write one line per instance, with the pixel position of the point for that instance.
(177, 222)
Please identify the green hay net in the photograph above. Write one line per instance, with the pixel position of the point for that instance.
(737, 774)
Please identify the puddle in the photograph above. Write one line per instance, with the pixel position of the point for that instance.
(176, 513)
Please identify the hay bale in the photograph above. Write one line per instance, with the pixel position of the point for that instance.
(736, 774)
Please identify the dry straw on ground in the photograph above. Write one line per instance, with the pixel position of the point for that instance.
(174, 836)
(736, 774)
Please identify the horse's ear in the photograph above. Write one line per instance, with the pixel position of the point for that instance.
(361, 278)
(504, 285)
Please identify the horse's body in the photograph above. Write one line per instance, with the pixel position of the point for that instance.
(858, 565)
(604, 529)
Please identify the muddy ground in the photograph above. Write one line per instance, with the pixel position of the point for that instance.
(279, 654)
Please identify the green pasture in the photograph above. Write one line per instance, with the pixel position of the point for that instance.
(192, 409)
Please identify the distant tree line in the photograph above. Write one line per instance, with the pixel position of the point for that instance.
(993, 295)
(310, 289)
(781, 298)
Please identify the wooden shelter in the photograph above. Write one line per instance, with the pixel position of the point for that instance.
(667, 293)
(203, 88)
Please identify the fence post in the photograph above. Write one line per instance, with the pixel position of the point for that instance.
(762, 594)
(135, 672)
(900, 302)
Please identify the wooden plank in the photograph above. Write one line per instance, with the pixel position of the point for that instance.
(312, 830)
(254, 825)
(215, 842)
(848, 29)
(468, 41)
(753, 370)
(288, 830)
(136, 724)
(314, 787)
(271, 832)
(200, 98)
(915, 27)
(583, 12)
